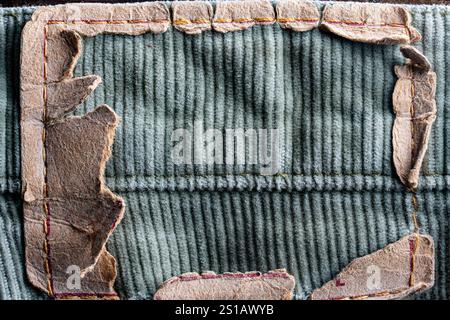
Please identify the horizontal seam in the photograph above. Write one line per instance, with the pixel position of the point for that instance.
(284, 20)
(361, 24)
(179, 22)
(285, 175)
(52, 22)
(244, 20)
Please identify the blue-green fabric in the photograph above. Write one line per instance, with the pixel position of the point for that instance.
(336, 198)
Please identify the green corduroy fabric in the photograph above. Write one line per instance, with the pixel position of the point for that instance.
(336, 198)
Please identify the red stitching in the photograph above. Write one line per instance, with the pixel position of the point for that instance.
(361, 24)
(208, 276)
(46, 207)
(85, 294)
(104, 21)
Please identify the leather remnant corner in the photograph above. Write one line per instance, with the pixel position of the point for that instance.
(370, 23)
(415, 109)
(69, 212)
(273, 285)
(241, 15)
(400, 269)
(192, 17)
(297, 15)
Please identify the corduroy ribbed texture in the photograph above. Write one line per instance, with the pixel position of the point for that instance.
(336, 198)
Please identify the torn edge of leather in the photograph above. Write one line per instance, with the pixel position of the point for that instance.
(297, 15)
(400, 269)
(192, 17)
(241, 15)
(69, 213)
(273, 285)
(415, 109)
(370, 23)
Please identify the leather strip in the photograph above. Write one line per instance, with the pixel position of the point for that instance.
(415, 109)
(273, 285)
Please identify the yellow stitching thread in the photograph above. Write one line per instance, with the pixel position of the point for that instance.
(378, 294)
(413, 261)
(362, 24)
(192, 21)
(285, 20)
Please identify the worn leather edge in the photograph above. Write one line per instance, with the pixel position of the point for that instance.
(297, 15)
(370, 23)
(273, 285)
(241, 15)
(413, 255)
(192, 17)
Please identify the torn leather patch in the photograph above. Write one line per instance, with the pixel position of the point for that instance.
(370, 23)
(192, 17)
(415, 109)
(297, 15)
(69, 213)
(400, 269)
(273, 285)
(241, 15)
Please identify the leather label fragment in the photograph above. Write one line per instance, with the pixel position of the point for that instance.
(370, 23)
(400, 269)
(273, 285)
(297, 15)
(241, 15)
(415, 109)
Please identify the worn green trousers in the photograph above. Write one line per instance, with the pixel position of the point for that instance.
(336, 196)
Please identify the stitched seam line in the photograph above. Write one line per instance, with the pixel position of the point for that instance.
(372, 295)
(16, 180)
(229, 276)
(362, 24)
(223, 20)
(244, 20)
(415, 204)
(285, 20)
(181, 22)
(47, 265)
(88, 21)
(85, 294)
(414, 245)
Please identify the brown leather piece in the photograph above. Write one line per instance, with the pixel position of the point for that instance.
(241, 15)
(415, 109)
(63, 48)
(298, 15)
(83, 211)
(192, 17)
(273, 285)
(370, 23)
(69, 213)
(400, 269)
(69, 223)
(66, 95)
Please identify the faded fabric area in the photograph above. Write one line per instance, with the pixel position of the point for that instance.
(335, 198)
